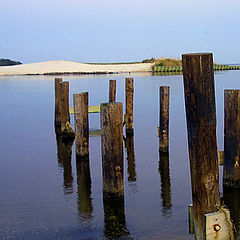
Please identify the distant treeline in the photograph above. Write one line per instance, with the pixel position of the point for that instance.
(170, 62)
(8, 62)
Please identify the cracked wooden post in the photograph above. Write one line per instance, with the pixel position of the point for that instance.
(231, 169)
(112, 90)
(112, 149)
(66, 129)
(164, 119)
(57, 104)
(202, 144)
(128, 119)
(81, 125)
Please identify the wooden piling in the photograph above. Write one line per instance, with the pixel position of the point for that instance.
(201, 124)
(58, 102)
(231, 168)
(128, 118)
(112, 149)
(164, 119)
(112, 90)
(66, 129)
(81, 125)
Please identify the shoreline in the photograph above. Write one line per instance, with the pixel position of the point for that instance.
(68, 67)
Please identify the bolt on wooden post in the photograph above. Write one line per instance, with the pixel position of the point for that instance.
(112, 149)
(128, 118)
(231, 167)
(198, 79)
(58, 102)
(112, 90)
(164, 119)
(81, 125)
(66, 129)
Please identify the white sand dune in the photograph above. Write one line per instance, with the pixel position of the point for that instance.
(52, 67)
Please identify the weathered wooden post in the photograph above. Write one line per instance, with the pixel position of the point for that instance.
(164, 119)
(198, 79)
(231, 169)
(112, 149)
(58, 103)
(84, 182)
(66, 129)
(128, 118)
(112, 90)
(131, 168)
(165, 182)
(81, 125)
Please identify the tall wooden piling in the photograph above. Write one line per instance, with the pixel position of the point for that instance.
(112, 149)
(164, 119)
(112, 90)
(81, 125)
(231, 168)
(201, 124)
(129, 89)
(66, 129)
(58, 102)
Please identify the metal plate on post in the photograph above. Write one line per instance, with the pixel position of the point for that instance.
(218, 225)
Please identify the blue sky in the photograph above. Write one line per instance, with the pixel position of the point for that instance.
(118, 30)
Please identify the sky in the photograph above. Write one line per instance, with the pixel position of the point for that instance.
(118, 30)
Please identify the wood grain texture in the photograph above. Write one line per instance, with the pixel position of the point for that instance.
(231, 173)
(57, 102)
(202, 144)
(112, 90)
(129, 89)
(112, 149)
(81, 125)
(164, 119)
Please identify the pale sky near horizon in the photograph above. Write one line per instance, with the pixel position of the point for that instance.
(118, 30)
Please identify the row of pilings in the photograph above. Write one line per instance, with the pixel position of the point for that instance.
(198, 77)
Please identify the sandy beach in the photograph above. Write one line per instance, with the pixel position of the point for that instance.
(59, 67)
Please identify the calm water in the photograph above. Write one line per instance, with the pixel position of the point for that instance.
(46, 195)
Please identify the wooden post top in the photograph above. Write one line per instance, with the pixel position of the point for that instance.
(197, 54)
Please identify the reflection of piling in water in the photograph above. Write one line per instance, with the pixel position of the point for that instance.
(114, 220)
(129, 143)
(64, 152)
(165, 182)
(231, 198)
(201, 124)
(112, 149)
(81, 125)
(85, 207)
(164, 119)
(128, 117)
(112, 90)
(231, 168)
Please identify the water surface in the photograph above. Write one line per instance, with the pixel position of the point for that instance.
(45, 194)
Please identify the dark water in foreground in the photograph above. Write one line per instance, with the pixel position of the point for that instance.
(46, 195)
